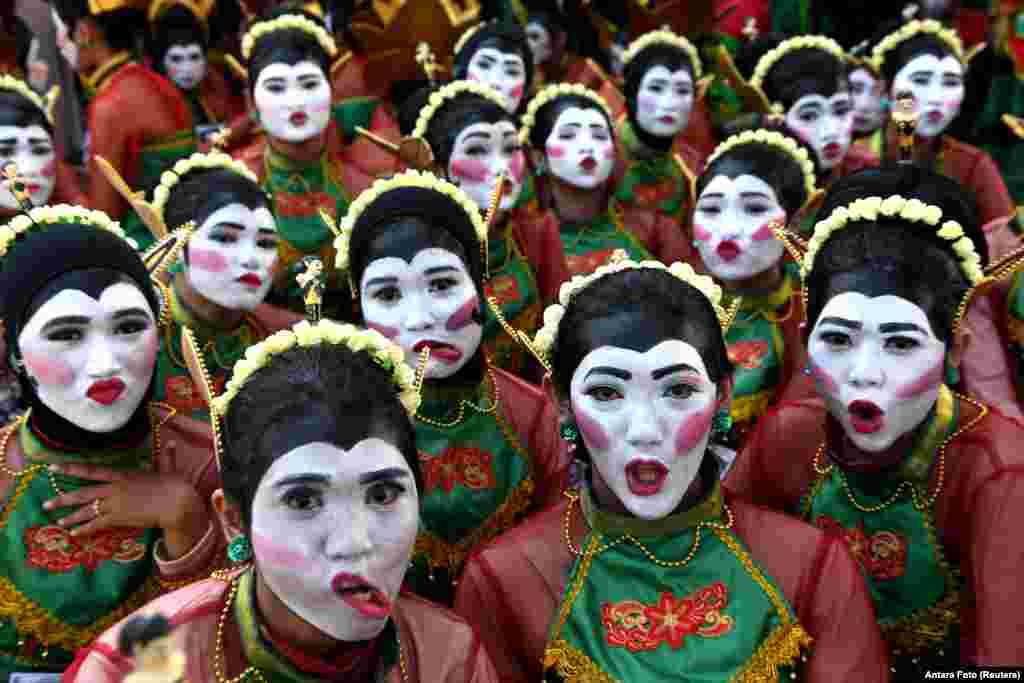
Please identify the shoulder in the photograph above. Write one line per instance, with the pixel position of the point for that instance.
(534, 542)
(991, 448)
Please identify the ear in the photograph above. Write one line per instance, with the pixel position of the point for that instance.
(958, 347)
(229, 513)
(725, 389)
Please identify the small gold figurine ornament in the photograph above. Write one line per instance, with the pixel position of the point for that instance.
(427, 61)
(158, 655)
(15, 185)
(904, 118)
(750, 30)
(311, 281)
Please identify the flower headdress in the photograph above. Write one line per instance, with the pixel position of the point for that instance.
(665, 37)
(912, 210)
(908, 31)
(553, 92)
(46, 104)
(770, 59)
(35, 219)
(773, 139)
(383, 351)
(449, 92)
(284, 22)
(544, 341)
(170, 240)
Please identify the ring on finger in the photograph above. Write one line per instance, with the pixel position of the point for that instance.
(97, 509)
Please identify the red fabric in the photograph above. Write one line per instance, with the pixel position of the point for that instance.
(511, 590)
(158, 111)
(738, 10)
(971, 25)
(348, 79)
(976, 171)
(662, 235)
(112, 654)
(221, 100)
(977, 513)
(541, 245)
(698, 137)
(350, 659)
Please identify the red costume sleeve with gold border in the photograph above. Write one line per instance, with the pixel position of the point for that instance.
(976, 171)
(536, 233)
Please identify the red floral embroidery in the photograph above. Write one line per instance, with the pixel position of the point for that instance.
(588, 262)
(639, 627)
(54, 549)
(182, 393)
(504, 288)
(303, 205)
(749, 353)
(651, 194)
(470, 467)
(883, 554)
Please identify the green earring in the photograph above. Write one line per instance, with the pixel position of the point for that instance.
(569, 432)
(239, 549)
(722, 423)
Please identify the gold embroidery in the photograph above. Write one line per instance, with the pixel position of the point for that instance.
(573, 665)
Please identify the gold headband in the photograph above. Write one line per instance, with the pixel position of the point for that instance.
(665, 37)
(786, 144)
(553, 92)
(908, 31)
(285, 22)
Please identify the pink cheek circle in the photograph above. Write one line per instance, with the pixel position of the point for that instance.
(389, 332)
(953, 105)
(555, 151)
(464, 316)
(48, 369)
(700, 234)
(694, 428)
(292, 570)
(517, 92)
(765, 232)
(609, 152)
(49, 170)
(824, 379)
(646, 104)
(207, 259)
(470, 169)
(925, 382)
(593, 433)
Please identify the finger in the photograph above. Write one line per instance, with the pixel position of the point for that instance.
(86, 513)
(80, 497)
(91, 472)
(94, 525)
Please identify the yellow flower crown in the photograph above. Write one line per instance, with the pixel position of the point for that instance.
(466, 35)
(665, 37)
(420, 179)
(908, 31)
(288, 21)
(552, 92)
(61, 213)
(450, 92)
(770, 58)
(544, 341)
(772, 139)
(383, 351)
(895, 206)
(168, 179)
(45, 104)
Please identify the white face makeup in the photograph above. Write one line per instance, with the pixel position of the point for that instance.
(664, 101)
(825, 124)
(482, 152)
(428, 302)
(503, 71)
(645, 419)
(938, 89)
(185, 65)
(878, 365)
(540, 42)
(92, 360)
(231, 258)
(732, 227)
(31, 148)
(867, 101)
(293, 101)
(580, 149)
(333, 531)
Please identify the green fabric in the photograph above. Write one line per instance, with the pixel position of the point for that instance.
(275, 668)
(513, 284)
(221, 350)
(1005, 94)
(352, 113)
(590, 244)
(76, 581)
(651, 180)
(897, 548)
(624, 604)
(153, 159)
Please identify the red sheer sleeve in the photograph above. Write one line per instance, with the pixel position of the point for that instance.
(535, 420)
(989, 189)
(985, 370)
(537, 235)
(996, 554)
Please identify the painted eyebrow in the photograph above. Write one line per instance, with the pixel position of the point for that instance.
(841, 322)
(8, 141)
(131, 312)
(66, 320)
(440, 269)
(478, 134)
(36, 141)
(571, 125)
(386, 474)
(887, 328)
(308, 478)
(230, 226)
(670, 369)
(712, 195)
(389, 280)
(754, 195)
(811, 105)
(614, 372)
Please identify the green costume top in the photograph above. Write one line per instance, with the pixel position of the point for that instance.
(1005, 94)
(59, 592)
(888, 523)
(757, 344)
(514, 286)
(652, 180)
(590, 244)
(647, 600)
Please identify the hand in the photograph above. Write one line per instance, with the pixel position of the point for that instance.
(134, 499)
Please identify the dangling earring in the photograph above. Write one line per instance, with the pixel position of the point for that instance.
(570, 434)
(239, 549)
(721, 424)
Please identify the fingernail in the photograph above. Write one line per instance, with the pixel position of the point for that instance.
(48, 505)
(62, 522)
(55, 468)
